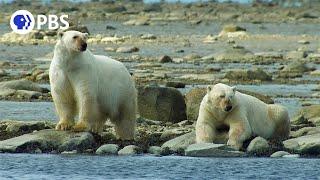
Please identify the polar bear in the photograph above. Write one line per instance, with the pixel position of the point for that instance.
(245, 115)
(94, 88)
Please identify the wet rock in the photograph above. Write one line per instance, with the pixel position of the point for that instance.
(130, 150)
(194, 97)
(109, 27)
(233, 31)
(212, 150)
(22, 84)
(248, 75)
(148, 36)
(258, 146)
(161, 104)
(69, 152)
(138, 22)
(279, 154)
(165, 59)
(108, 149)
(297, 67)
(175, 84)
(5, 92)
(45, 140)
(309, 144)
(291, 156)
(79, 142)
(127, 49)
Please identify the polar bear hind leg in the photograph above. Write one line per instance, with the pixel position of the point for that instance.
(126, 123)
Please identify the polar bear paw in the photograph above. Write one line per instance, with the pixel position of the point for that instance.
(64, 125)
(80, 127)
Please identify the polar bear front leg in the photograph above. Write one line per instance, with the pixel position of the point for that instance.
(205, 130)
(66, 110)
(239, 131)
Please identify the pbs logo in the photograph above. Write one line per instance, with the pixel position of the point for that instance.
(22, 22)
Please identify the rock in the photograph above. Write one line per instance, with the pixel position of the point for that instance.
(3, 73)
(309, 144)
(248, 75)
(161, 104)
(194, 97)
(170, 134)
(308, 114)
(258, 146)
(79, 142)
(10, 128)
(179, 144)
(315, 73)
(36, 34)
(23, 84)
(175, 84)
(156, 150)
(130, 150)
(233, 31)
(109, 27)
(28, 94)
(232, 28)
(298, 67)
(305, 131)
(233, 54)
(4, 64)
(138, 22)
(69, 152)
(108, 149)
(47, 141)
(303, 42)
(291, 156)
(296, 55)
(212, 150)
(165, 59)
(148, 36)
(5, 92)
(127, 49)
(279, 154)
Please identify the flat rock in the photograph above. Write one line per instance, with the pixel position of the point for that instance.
(248, 75)
(47, 141)
(258, 146)
(309, 144)
(108, 149)
(22, 84)
(127, 49)
(212, 150)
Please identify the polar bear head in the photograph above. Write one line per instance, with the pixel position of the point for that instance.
(221, 96)
(74, 41)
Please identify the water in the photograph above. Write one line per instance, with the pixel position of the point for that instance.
(43, 166)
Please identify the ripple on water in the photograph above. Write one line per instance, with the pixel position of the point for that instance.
(27, 166)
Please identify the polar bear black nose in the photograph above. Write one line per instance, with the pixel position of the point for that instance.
(228, 108)
(83, 47)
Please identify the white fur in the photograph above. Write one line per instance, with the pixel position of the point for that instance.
(249, 116)
(94, 87)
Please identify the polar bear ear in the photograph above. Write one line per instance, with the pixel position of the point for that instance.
(234, 88)
(85, 35)
(60, 34)
(209, 88)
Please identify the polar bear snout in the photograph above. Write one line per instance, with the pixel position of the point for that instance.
(83, 46)
(228, 108)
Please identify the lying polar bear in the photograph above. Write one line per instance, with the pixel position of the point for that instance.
(245, 115)
(95, 88)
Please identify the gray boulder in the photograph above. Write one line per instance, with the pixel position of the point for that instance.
(279, 154)
(212, 150)
(248, 75)
(258, 146)
(108, 149)
(309, 144)
(130, 150)
(161, 104)
(79, 141)
(22, 84)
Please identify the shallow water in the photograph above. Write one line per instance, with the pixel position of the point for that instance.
(43, 166)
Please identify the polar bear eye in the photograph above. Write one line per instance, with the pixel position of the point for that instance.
(222, 96)
(75, 37)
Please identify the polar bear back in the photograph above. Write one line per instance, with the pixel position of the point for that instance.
(257, 113)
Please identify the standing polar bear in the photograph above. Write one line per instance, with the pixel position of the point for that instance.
(95, 88)
(245, 115)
